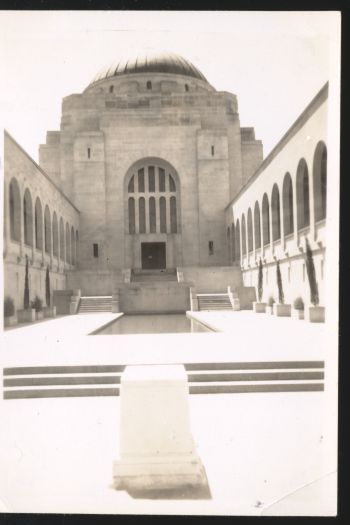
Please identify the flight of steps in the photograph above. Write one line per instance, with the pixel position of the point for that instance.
(139, 276)
(91, 304)
(217, 301)
(203, 378)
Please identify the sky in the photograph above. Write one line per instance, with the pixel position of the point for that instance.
(275, 62)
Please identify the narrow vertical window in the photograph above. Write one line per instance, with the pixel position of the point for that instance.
(142, 215)
(162, 213)
(141, 180)
(111, 89)
(152, 215)
(161, 179)
(95, 249)
(131, 207)
(149, 84)
(186, 87)
(151, 179)
(89, 153)
(131, 185)
(172, 185)
(212, 151)
(211, 247)
(173, 216)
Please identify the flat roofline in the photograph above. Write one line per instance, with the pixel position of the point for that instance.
(310, 109)
(40, 169)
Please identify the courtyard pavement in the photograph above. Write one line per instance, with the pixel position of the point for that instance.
(264, 454)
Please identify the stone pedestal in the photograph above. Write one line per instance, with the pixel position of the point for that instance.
(156, 446)
(259, 308)
(315, 314)
(282, 310)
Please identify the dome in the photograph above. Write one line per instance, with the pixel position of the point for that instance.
(151, 63)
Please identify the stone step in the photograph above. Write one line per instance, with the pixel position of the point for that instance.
(200, 377)
(219, 301)
(208, 366)
(89, 304)
(202, 388)
(203, 378)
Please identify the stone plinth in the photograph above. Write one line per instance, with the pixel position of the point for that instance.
(156, 446)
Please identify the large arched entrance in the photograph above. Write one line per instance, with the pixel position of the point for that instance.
(152, 215)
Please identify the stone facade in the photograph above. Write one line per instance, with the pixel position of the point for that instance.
(140, 175)
(283, 204)
(156, 120)
(39, 223)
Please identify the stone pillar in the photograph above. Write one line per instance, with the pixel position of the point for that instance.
(115, 302)
(156, 446)
(194, 300)
(234, 299)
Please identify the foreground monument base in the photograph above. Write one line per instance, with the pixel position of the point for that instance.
(156, 447)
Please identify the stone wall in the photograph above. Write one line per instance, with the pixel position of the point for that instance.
(213, 279)
(25, 234)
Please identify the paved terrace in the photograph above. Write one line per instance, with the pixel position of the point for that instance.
(264, 454)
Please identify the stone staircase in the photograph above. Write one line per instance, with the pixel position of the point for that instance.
(203, 378)
(217, 301)
(139, 276)
(96, 304)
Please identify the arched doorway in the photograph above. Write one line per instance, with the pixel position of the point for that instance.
(152, 215)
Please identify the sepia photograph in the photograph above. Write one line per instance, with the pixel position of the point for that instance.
(170, 193)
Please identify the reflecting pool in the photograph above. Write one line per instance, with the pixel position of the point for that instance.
(153, 324)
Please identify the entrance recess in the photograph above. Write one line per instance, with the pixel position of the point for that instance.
(153, 255)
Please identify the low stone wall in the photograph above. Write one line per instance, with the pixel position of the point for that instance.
(247, 296)
(92, 282)
(212, 279)
(154, 297)
(61, 299)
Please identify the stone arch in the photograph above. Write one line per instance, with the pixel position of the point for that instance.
(47, 229)
(233, 242)
(303, 195)
(250, 231)
(228, 242)
(319, 174)
(72, 245)
(62, 243)
(276, 214)
(68, 255)
(238, 241)
(76, 247)
(154, 185)
(244, 236)
(38, 221)
(266, 220)
(257, 226)
(15, 210)
(54, 235)
(288, 214)
(28, 218)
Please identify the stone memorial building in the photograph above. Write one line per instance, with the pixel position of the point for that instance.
(151, 176)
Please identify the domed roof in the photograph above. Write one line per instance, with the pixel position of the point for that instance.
(151, 63)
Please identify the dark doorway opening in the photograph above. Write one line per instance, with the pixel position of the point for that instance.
(153, 255)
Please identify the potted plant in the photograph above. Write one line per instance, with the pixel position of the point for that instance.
(10, 318)
(28, 313)
(269, 306)
(314, 313)
(49, 311)
(258, 306)
(298, 308)
(37, 304)
(280, 309)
